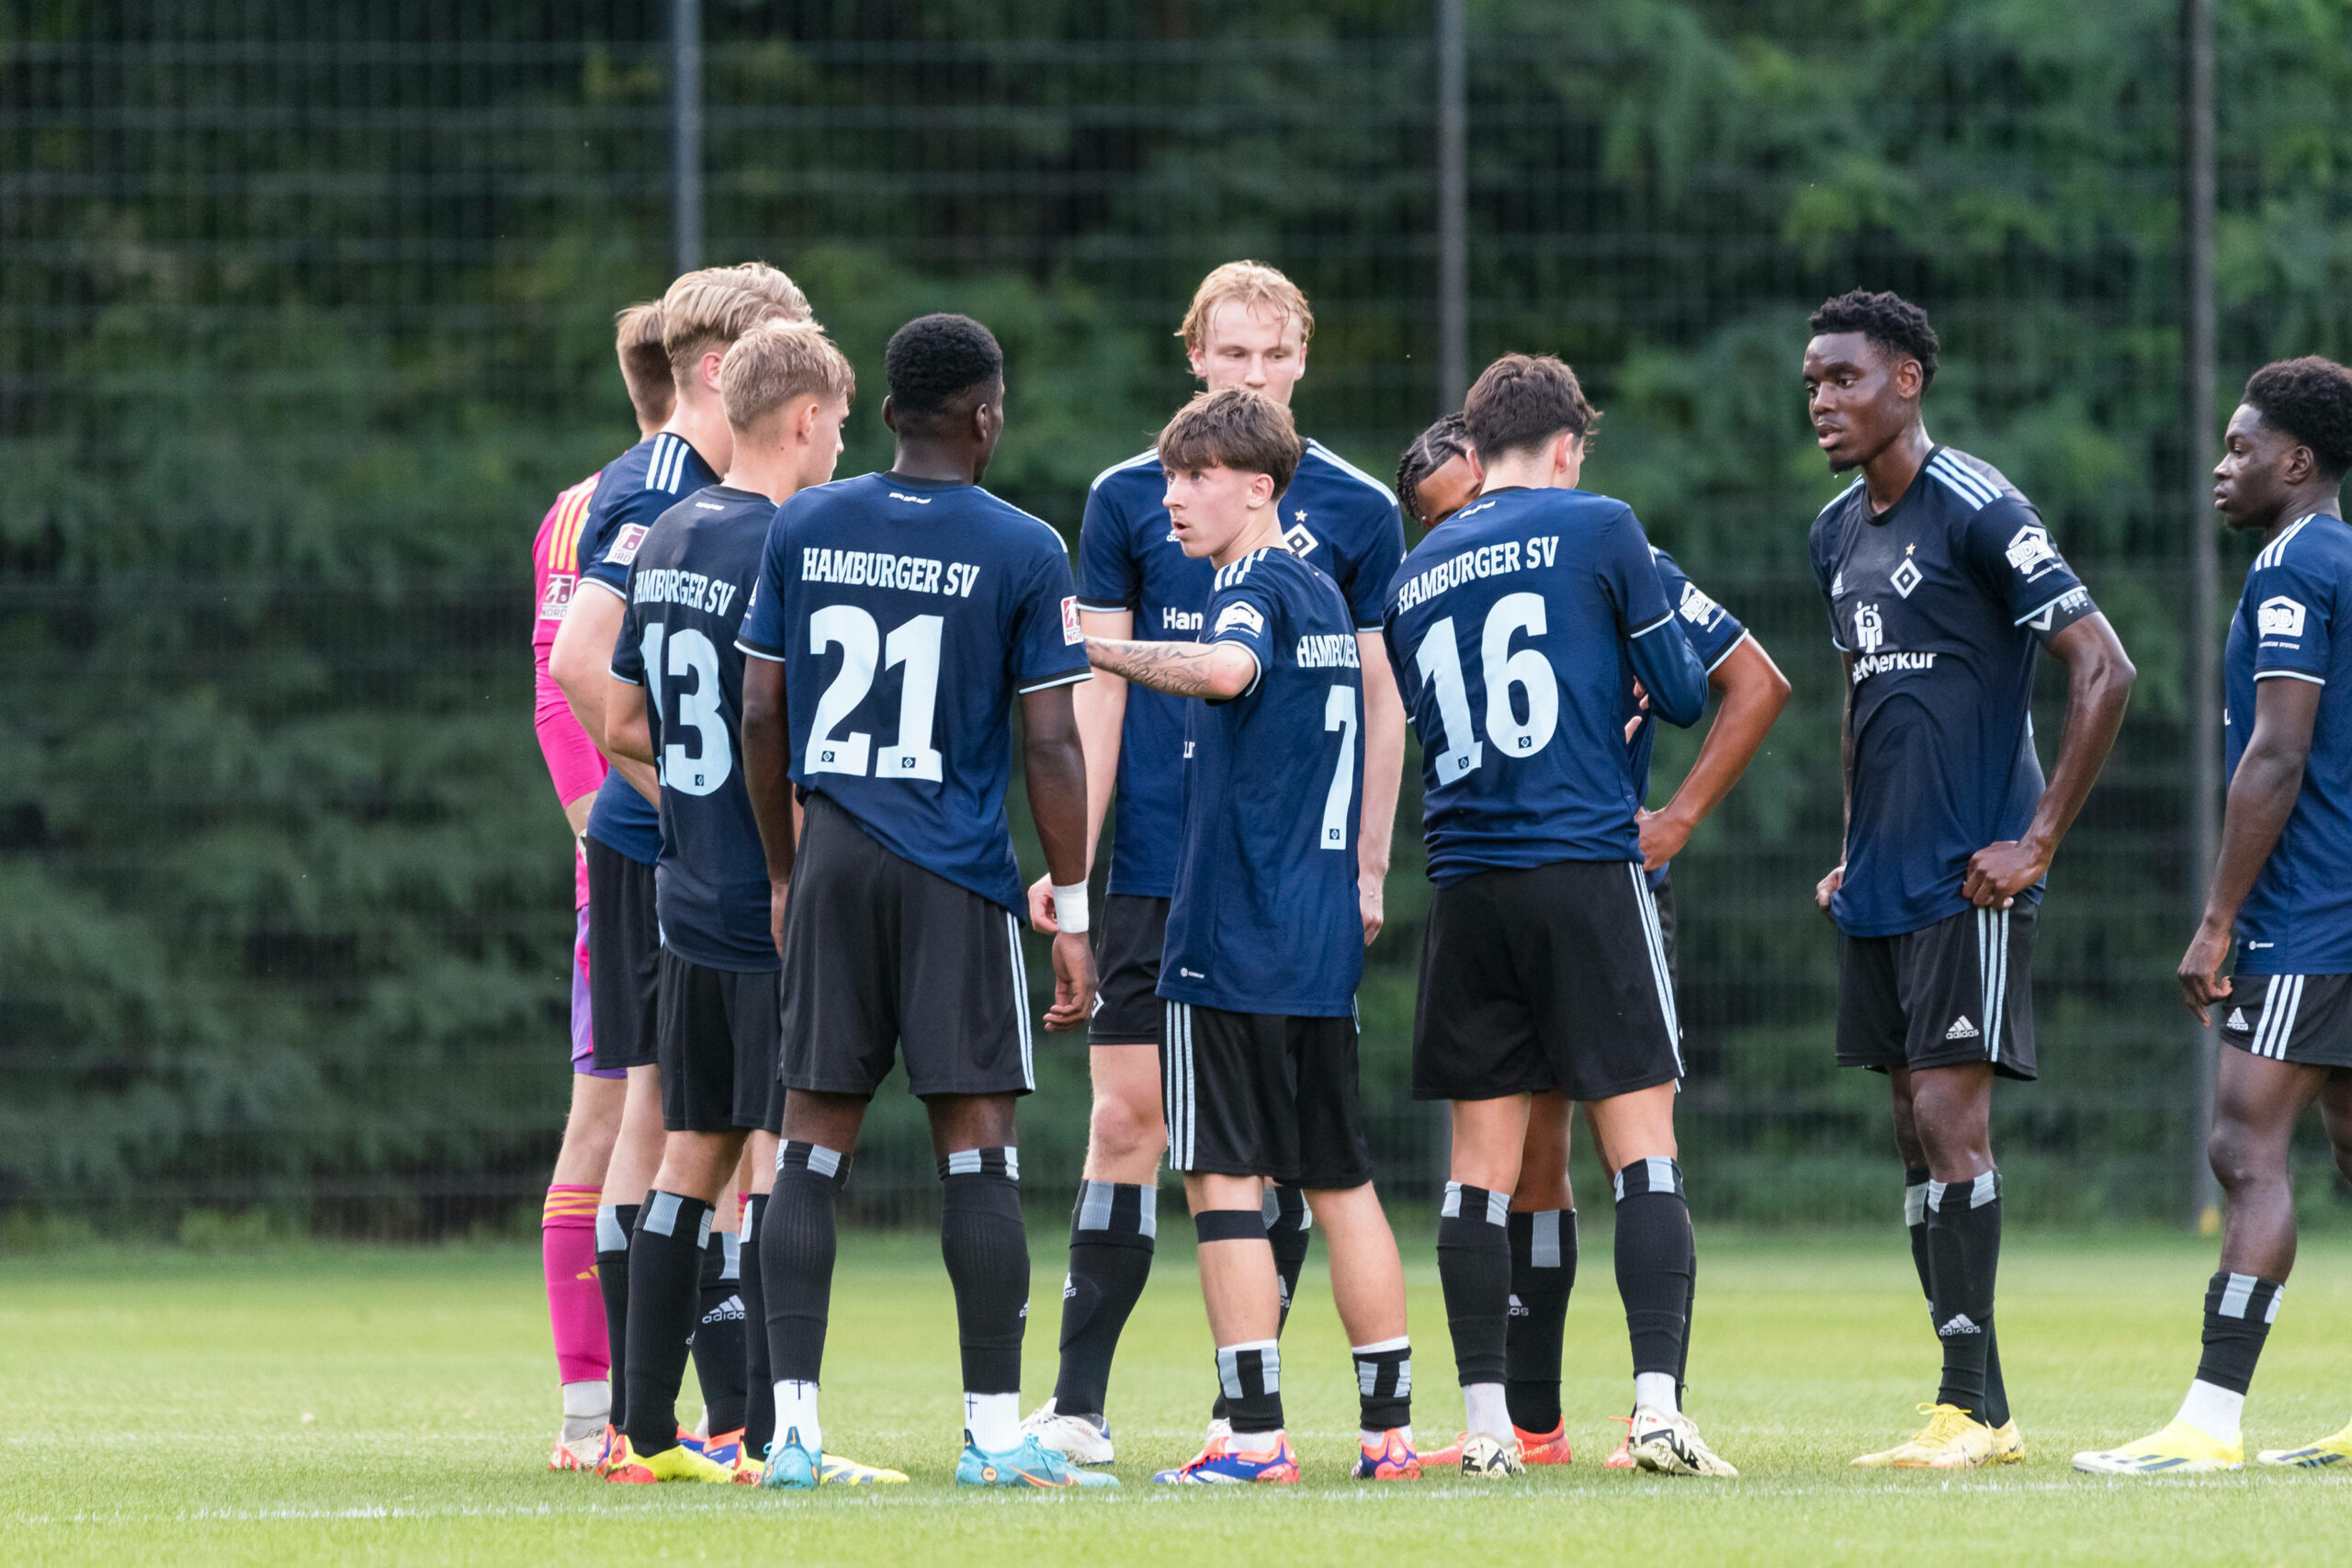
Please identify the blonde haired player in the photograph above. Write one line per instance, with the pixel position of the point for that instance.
(1249, 327)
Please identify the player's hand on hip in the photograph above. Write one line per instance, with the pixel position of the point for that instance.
(2202, 981)
(1372, 903)
(1041, 906)
(1073, 983)
(1829, 885)
(1662, 837)
(1998, 872)
(777, 892)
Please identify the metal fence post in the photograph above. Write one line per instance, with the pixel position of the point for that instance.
(1452, 209)
(685, 132)
(2204, 556)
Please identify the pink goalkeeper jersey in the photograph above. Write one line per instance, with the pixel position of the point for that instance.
(572, 760)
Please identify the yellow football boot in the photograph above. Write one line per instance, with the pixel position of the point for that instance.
(1952, 1440)
(2333, 1449)
(2180, 1450)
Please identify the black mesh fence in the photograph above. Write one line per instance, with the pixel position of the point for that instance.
(304, 317)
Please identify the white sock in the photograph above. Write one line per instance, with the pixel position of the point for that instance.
(587, 1406)
(1484, 1409)
(2213, 1410)
(796, 1409)
(1657, 1391)
(994, 1421)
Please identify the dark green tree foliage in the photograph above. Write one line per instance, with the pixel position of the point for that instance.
(305, 319)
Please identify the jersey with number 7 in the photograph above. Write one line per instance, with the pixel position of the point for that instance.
(1513, 627)
(908, 615)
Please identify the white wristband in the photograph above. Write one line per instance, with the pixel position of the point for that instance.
(1069, 908)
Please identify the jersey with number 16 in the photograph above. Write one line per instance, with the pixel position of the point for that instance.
(908, 615)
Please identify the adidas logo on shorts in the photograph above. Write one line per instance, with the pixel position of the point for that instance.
(2237, 1020)
(1960, 1029)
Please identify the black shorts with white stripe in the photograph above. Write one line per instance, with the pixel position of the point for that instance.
(882, 956)
(2302, 1018)
(1553, 976)
(1944, 995)
(1263, 1094)
(1128, 944)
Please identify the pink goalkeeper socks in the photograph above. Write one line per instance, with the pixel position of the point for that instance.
(575, 1304)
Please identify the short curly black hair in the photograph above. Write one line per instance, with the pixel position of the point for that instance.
(933, 360)
(1430, 451)
(1887, 319)
(2310, 400)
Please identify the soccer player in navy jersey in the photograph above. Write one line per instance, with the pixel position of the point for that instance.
(1437, 476)
(1248, 326)
(1265, 938)
(2282, 888)
(1515, 630)
(1943, 584)
(701, 314)
(899, 617)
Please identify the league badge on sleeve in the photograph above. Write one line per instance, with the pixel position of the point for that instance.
(625, 544)
(558, 597)
(2279, 617)
(2030, 551)
(1243, 616)
(1071, 633)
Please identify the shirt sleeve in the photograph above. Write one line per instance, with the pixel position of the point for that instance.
(1662, 658)
(2292, 612)
(1108, 577)
(629, 651)
(1820, 549)
(1366, 586)
(2012, 554)
(762, 634)
(1049, 649)
(605, 560)
(1712, 630)
(1243, 613)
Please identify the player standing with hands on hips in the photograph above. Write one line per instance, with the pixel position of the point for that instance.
(1942, 586)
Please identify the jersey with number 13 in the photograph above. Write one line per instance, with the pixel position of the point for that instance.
(1515, 628)
(907, 617)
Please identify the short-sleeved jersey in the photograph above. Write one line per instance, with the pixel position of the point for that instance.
(1516, 630)
(2294, 622)
(686, 592)
(1265, 917)
(1712, 631)
(634, 488)
(1336, 517)
(1943, 600)
(574, 764)
(907, 615)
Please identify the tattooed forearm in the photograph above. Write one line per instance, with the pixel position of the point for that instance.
(1181, 669)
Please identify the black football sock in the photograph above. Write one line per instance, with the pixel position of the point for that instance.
(987, 1251)
(719, 1334)
(1474, 1269)
(1963, 1255)
(1112, 1232)
(1252, 1377)
(1384, 1384)
(2239, 1310)
(1915, 1221)
(759, 1384)
(664, 1285)
(1542, 1273)
(615, 1222)
(797, 1245)
(1289, 1223)
(1654, 1258)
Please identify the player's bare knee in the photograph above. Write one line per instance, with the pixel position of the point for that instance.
(1122, 1132)
(2242, 1161)
(970, 1122)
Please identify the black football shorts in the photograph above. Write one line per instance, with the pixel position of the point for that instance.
(716, 1032)
(1553, 976)
(1127, 1009)
(882, 957)
(2302, 1018)
(1263, 1094)
(1946, 995)
(624, 957)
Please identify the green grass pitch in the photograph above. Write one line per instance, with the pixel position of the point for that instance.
(361, 1406)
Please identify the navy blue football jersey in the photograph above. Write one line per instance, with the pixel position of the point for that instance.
(1516, 630)
(636, 488)
(1943, 601)
(686, 594)
(1264, 918)
(1712, 631)
(1336, 517)
(2294, 622)
(907, 615)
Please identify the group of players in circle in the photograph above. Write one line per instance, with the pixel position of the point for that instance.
(778, 710)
